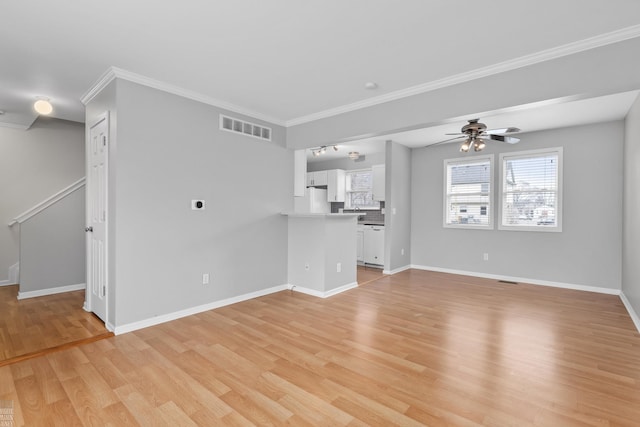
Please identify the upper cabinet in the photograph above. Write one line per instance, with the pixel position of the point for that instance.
(333, 179)
(317, 179)
(335, 185)
(378, 182)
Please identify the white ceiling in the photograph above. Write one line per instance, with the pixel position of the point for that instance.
(284, 60)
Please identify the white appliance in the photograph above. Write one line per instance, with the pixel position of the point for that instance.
(374, 244)
(314, 201)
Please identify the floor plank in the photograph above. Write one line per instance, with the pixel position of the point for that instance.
(415, 348)
(30, 327)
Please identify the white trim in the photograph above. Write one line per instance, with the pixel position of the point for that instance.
(102, 82)
(397, 270)
(48, 202)
(523, 155)
(321, 294)
(114, 72)
(130, 327)
(632, 313)
(501, 67)
(445, 205)
(523, 280)
(6, 283)
(51, 291)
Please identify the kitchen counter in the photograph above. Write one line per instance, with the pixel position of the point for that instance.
(365, 222)
(319, 215)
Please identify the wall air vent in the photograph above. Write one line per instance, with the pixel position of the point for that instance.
(249, 129)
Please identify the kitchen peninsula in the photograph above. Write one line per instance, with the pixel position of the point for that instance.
(322, 252)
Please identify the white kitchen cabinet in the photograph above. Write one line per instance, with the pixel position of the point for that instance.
(317, 179)
(360, 244)
(379, 186)
(335, 185)
(374, 244)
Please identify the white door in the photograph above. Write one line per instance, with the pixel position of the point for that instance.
(97, 218)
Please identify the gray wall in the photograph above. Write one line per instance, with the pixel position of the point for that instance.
(334, 242)
(166, 151)
(34, 165)
(631, 217)
(588, 250)
(52, 251)
(398, 197)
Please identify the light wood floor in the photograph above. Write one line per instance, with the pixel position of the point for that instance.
(32, 325)
(368, 274)
(415, 348)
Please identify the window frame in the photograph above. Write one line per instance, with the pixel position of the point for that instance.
(347, 191)
(559, 194)
(490, 193)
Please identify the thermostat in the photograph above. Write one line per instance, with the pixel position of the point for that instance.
(197, 205)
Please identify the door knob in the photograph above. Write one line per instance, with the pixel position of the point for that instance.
(89, 229)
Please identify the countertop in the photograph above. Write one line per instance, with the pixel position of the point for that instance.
(319, 215)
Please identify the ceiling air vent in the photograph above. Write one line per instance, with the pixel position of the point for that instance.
(249, 129)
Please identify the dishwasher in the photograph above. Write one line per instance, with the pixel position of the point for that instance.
(374, 245)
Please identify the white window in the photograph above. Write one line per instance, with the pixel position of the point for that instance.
(468, 192)
(531, 190)
(359, 190)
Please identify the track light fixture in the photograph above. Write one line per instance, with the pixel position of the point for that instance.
(323, 149)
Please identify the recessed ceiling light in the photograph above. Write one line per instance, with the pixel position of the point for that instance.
(371, 85)
(43, 106)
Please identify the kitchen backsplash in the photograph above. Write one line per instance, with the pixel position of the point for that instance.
(372, 215)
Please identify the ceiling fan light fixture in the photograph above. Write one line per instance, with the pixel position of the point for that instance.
(478, 145)
(465, 146)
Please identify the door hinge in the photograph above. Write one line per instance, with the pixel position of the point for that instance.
(104, 140)
(104, 291)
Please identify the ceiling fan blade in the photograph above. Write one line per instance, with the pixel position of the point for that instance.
(502, 130)
(446, 140)
(457, 133)
(502, 138)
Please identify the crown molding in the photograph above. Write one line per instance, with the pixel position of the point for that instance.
(523, 61)
(114, 72)
(106, 78)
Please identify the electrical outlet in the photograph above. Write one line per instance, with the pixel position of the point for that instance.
(402, 251)
(205, 279)
(338, 267)
(485, 256)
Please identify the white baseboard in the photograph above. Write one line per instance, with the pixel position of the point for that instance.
(632, 312)
(130, 327)
(321, 294)
(6, 283)
(50, 291)
(397, 270)
(522, 280)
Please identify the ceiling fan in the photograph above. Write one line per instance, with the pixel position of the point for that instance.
(476, 133)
